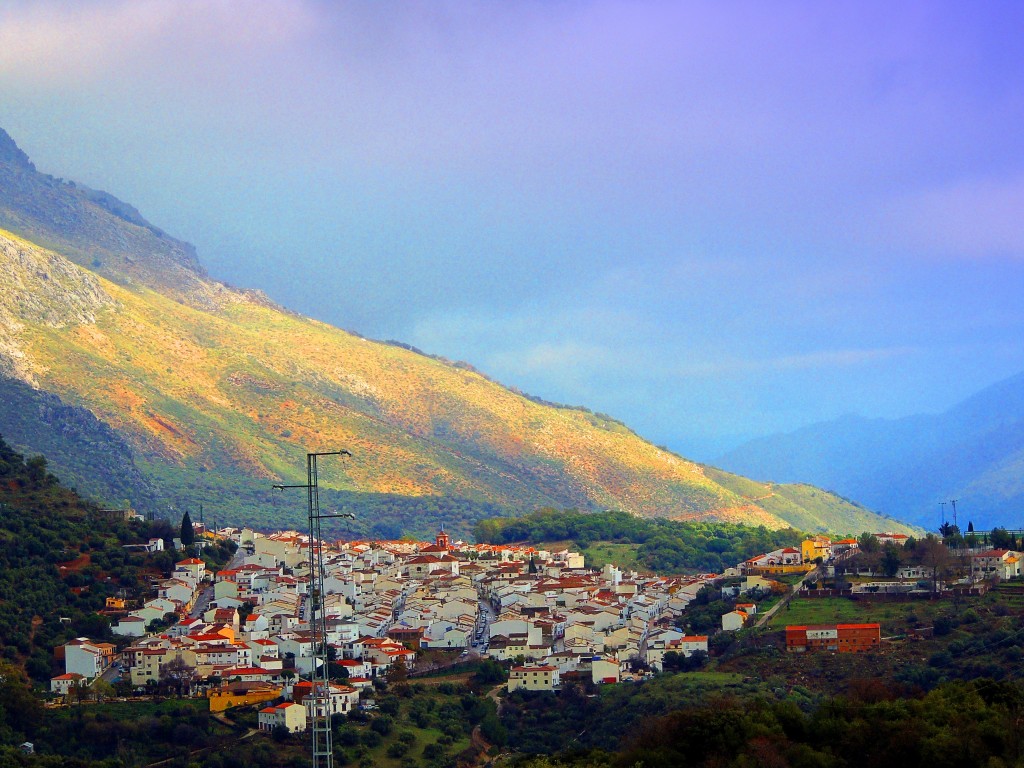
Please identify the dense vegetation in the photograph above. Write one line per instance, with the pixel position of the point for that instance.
(60, 558)
(958, 724)
(410, 724)
(664, 546)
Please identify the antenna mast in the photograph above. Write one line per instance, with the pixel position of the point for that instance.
(323, 754)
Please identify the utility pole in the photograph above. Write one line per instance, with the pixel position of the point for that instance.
(323, 754)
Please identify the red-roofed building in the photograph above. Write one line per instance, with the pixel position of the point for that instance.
(1002, 563)
(61, 684)
(842, 638)
(899, 539)
(288, 715)
(343, 698)
(194, 566)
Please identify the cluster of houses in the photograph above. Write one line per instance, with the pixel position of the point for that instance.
(176, 595)
(545, 611)
(383, 602)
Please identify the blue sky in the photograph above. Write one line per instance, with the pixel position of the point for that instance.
(711, 220)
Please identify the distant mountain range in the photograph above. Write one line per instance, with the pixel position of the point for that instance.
(183, 391)
(974, 453)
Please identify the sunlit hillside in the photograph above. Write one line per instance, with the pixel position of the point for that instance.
(218, 393)
(237, 394)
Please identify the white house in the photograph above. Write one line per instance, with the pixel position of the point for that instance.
(604, 670)
(288, 715)
(342, 699)
(86, 658)
(444, 634)
(130, 626)
(733, 621)
(61, 684)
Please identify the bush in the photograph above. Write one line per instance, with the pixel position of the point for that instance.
(382, 725)
(371, 739)
(398, 749)
(347, 737)
(389, 705)
(433, 751)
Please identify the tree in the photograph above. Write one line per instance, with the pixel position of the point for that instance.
(383, 724)
(1001, 539)
(890, 559)
(19, 707)
(188, 533)
(178, 675)
(79, 690)
(935, 556)
(671, 661)
(490, 671)
(867, 542)
(101, 689)
(398, 673)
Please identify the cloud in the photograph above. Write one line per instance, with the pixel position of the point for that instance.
(628, 205)
(86, 42)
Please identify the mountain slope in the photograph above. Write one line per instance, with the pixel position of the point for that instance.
(77, 445)
(219, 393)
(974, 452)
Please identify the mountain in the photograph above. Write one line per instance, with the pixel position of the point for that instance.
(219, 393)
(973, 452)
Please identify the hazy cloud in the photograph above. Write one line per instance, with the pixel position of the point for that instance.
(88, 42)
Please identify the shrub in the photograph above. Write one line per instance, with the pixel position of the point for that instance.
(382, 725)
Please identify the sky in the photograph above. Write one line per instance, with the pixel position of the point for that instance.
(713, 221)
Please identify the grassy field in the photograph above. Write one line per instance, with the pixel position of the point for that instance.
(894, 617)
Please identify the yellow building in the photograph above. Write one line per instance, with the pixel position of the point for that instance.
(533, 678)
(819, 546)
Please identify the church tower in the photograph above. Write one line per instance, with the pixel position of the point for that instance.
(442, 541)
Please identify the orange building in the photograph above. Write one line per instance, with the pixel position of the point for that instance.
(843, 638)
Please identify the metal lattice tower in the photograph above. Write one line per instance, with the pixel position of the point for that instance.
(323, 754)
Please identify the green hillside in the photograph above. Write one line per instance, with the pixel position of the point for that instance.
(809, 508)
(44, 525)
(219, 394)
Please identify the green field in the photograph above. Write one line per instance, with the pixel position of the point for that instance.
(840, 610)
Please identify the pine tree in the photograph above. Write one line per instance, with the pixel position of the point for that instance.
(188, 533)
